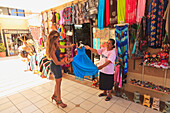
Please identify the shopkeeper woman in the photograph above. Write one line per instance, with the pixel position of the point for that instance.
(53, 53)
(106, 67)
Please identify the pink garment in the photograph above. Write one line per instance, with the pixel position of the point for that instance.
(140, 10)
(104, 56)
(61, 17)
(116, 75)
(130, 11)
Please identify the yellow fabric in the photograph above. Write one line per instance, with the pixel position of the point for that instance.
(62, 49)
(121, 11)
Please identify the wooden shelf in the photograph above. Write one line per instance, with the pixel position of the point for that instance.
(149, 89)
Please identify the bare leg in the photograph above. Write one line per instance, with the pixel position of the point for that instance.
(104, 92)
(109, 95)
(58, 93)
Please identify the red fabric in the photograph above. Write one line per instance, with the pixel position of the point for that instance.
(107, 12)
(130, 11)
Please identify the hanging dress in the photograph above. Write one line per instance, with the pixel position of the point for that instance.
(113, 12)
(121, 11)
(82, 65)
(101, 9)
(140, 10)
(122, 46)
(107, 13)
(130, 11)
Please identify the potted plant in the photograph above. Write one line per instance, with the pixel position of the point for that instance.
(2, 50)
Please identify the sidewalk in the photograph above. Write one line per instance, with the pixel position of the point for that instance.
(34, 96)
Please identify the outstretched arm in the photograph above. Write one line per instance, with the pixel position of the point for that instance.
(91, 49)
(68, 46)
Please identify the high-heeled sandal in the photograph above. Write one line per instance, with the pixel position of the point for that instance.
(60, 103)
(54, 98)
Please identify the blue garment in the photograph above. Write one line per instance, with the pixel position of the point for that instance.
(56, 69)
(82, 65)
(101, 9)
(121, 43)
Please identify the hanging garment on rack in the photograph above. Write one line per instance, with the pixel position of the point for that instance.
(77, 14)
(85, 12)
(101, 10)
(107, 12)
(67, 15)
(122, 45)
(80, 6)
(74, 14)
(57, 18)
(140, 10)
(121, 11)
(113, 12)
(82, 65)
(155, 29)
(130, 11)
(61, 17)
(54, 17)
(92, 8)
(167, 18)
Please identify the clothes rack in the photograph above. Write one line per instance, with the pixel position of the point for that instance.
(121, 24)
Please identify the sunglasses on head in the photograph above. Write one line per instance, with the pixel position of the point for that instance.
(55, 37)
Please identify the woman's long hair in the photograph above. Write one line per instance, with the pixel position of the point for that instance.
(50, 45)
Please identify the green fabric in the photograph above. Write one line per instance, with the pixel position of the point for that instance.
(62, 49)
(121, 11)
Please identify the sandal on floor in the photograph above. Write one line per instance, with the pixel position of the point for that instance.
(102, 94)
(108, 98)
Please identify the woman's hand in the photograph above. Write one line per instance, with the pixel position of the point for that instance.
(68, 61)
(72, 45)
(100, 67)
(87, 47)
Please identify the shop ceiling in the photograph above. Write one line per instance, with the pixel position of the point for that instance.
(33, 5)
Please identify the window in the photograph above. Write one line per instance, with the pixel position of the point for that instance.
(3, 11)
(13, 12)
(20, 12)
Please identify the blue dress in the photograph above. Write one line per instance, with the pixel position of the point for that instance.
(82, 65)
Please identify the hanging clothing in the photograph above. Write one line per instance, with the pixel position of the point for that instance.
(113, 12)
(167, 18)
(140, 10)
(67, 15)
(107, 13)
(54, 17)
(122, 45)
(57, 18)
(130, 11)
(155, 22)
(92, 8)
(61, 17)
(121, 11)
(82, 65)
(101, 9)
(74, 14)
(80, 6)
(85, 13)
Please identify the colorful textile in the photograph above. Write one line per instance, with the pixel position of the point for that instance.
(107, 13)
(96, 43)
(74, 14)
(130, 11)
(85, 12)
(57, 18)
(61, 17)
(155, 20)
(92, 8)
(113, 12)
(104, 56)
(121, 11)
(121, 43)
(67, 15)
(101, 9)
(54, 17)
(82, 65)
(140, 10)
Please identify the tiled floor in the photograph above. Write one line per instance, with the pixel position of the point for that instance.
(80, 98)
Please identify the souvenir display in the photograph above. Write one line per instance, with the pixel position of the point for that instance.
(146, 100)
(155, 104)
(136, 98)
(167, 107)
